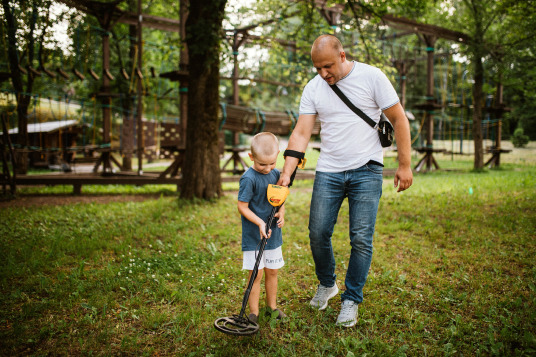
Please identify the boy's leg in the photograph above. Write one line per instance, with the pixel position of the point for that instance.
(255, 293)
(270, 282)
(271, 293)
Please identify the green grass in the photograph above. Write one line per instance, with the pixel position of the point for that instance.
(453, 273)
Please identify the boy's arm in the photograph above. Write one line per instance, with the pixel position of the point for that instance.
(243, 208)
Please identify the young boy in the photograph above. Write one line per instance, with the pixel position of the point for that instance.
(255, 209)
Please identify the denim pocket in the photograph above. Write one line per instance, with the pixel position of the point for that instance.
(376, 169)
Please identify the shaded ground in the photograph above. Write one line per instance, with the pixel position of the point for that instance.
(54, 200)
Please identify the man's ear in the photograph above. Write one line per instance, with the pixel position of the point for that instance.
(343, 56)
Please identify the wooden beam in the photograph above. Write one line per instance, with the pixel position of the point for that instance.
(154, 22)
(262, 80)
(97, 9)
(417, 27)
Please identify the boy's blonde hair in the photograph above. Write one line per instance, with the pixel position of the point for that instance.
(264, 144)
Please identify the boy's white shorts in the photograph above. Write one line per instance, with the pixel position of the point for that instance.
(272, 259)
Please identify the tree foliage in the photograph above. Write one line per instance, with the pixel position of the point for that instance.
(275, 62)
(501, 32)
(24, 21)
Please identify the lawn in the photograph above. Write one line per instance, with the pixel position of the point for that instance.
(453, 273)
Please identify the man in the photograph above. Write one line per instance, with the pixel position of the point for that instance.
(350, 164)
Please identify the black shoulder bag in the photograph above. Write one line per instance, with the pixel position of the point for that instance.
(385, 128)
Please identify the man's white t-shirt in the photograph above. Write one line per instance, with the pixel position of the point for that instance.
(347, 141)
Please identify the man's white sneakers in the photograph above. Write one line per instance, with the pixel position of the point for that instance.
(348, 315)
(323, 294)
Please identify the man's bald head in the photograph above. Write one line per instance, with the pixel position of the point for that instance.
(325, 44)
(329, 59)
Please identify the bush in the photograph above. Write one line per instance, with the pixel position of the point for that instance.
(519, 139)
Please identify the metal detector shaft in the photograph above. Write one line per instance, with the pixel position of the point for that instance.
(257, 262)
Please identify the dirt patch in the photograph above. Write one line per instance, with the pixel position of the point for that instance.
(56, 200)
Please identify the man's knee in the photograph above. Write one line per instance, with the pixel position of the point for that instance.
(320, 231)
(361, 241)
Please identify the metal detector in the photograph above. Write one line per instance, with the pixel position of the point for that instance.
(239, 324)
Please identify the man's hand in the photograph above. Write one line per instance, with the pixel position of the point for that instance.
(403, 178)
(403, 175)
(284, 180)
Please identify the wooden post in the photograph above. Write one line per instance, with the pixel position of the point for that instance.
(139, 110)
(235, 47)
(403, 67)
(11, 178)
(429, 91)
(495, 160)
(106, 156)
(106, 101)
(236, 100)
(128, 133)
(235, 153)
(403, 73)
(499, 105)
(428, 161)
(182, 76)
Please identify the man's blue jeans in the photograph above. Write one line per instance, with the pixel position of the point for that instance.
(363, 187)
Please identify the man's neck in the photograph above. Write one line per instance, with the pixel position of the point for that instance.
(348, 65)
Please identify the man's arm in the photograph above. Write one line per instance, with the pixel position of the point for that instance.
(298, 142)
(403, 175)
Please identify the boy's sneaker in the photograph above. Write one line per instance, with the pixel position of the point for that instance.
(280, 314)
(348, 315)
(253, 318)
(323, 294)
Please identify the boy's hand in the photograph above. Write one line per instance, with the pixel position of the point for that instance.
(280, 218)
(262, 230)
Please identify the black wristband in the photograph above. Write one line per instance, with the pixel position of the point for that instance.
(298, 155)
(292, 153)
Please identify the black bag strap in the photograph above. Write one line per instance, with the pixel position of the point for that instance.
(350, 105)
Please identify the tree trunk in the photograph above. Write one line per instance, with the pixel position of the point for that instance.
(23, 101)
(477, 112)
(201, 169)
(478, 67)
